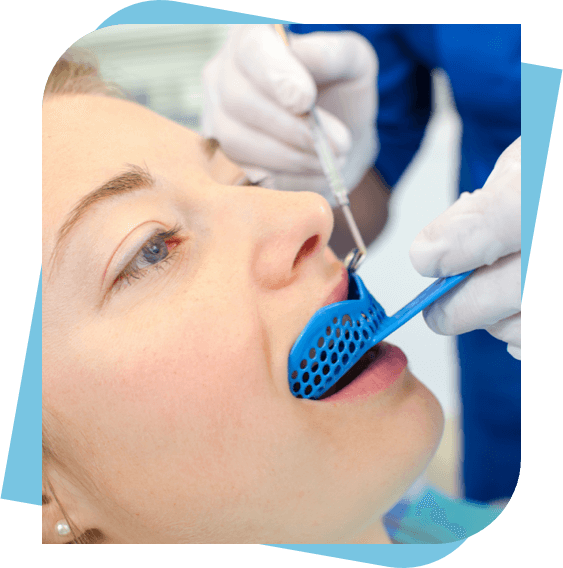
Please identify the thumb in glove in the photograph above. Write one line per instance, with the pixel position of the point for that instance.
(481, 230)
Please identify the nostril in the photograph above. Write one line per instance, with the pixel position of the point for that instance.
(306, 249)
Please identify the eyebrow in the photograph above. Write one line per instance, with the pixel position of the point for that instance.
(133, 179)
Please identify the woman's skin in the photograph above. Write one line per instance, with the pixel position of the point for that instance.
(166, 390)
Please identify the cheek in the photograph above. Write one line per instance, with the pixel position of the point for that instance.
(200, 383)
(195, 400)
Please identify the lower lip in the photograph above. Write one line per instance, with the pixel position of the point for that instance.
(386, 368)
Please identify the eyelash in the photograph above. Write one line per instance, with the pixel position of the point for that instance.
(133, 271)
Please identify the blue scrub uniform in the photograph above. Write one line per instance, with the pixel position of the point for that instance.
(483, 63)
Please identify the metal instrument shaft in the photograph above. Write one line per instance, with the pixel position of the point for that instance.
(333, 176)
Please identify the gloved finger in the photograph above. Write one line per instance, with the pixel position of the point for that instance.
(256, 149)
(246, 145)
(250, 146)
(516, 352)
(509, 164)
(508, 330)
(337, 133)
(265, 115)
(490, 294)
(331, 57)
(228, 93)
(476, 230)
(273, 68)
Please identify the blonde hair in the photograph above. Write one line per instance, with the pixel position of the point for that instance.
(76, 72)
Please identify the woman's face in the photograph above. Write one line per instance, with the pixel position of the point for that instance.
(171, 299)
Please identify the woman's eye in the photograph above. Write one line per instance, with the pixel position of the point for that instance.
(156, 253)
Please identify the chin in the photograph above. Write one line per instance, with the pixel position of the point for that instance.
(425, 420)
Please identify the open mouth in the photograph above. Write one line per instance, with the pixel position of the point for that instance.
(367, 359)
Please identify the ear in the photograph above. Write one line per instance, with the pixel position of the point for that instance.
(52, 515)
(65, 502)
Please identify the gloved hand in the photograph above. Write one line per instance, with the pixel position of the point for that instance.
(256, 88)
(481, 229)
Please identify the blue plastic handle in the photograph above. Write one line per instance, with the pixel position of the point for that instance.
(428, 296)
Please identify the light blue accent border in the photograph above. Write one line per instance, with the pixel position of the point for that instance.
(540, 86)
(154, 12)
(22, 481)
(406, 556)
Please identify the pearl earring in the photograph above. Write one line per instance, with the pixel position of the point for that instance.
(63, 528)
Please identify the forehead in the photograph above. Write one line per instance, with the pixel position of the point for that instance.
(86, 137)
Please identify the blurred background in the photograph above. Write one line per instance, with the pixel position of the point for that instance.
(160, 66)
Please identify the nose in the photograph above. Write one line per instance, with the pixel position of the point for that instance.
(291, 230)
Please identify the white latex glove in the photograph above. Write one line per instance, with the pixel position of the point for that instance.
(256, 87)
(481, 229)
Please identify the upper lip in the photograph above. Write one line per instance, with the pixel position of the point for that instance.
(340, 291)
